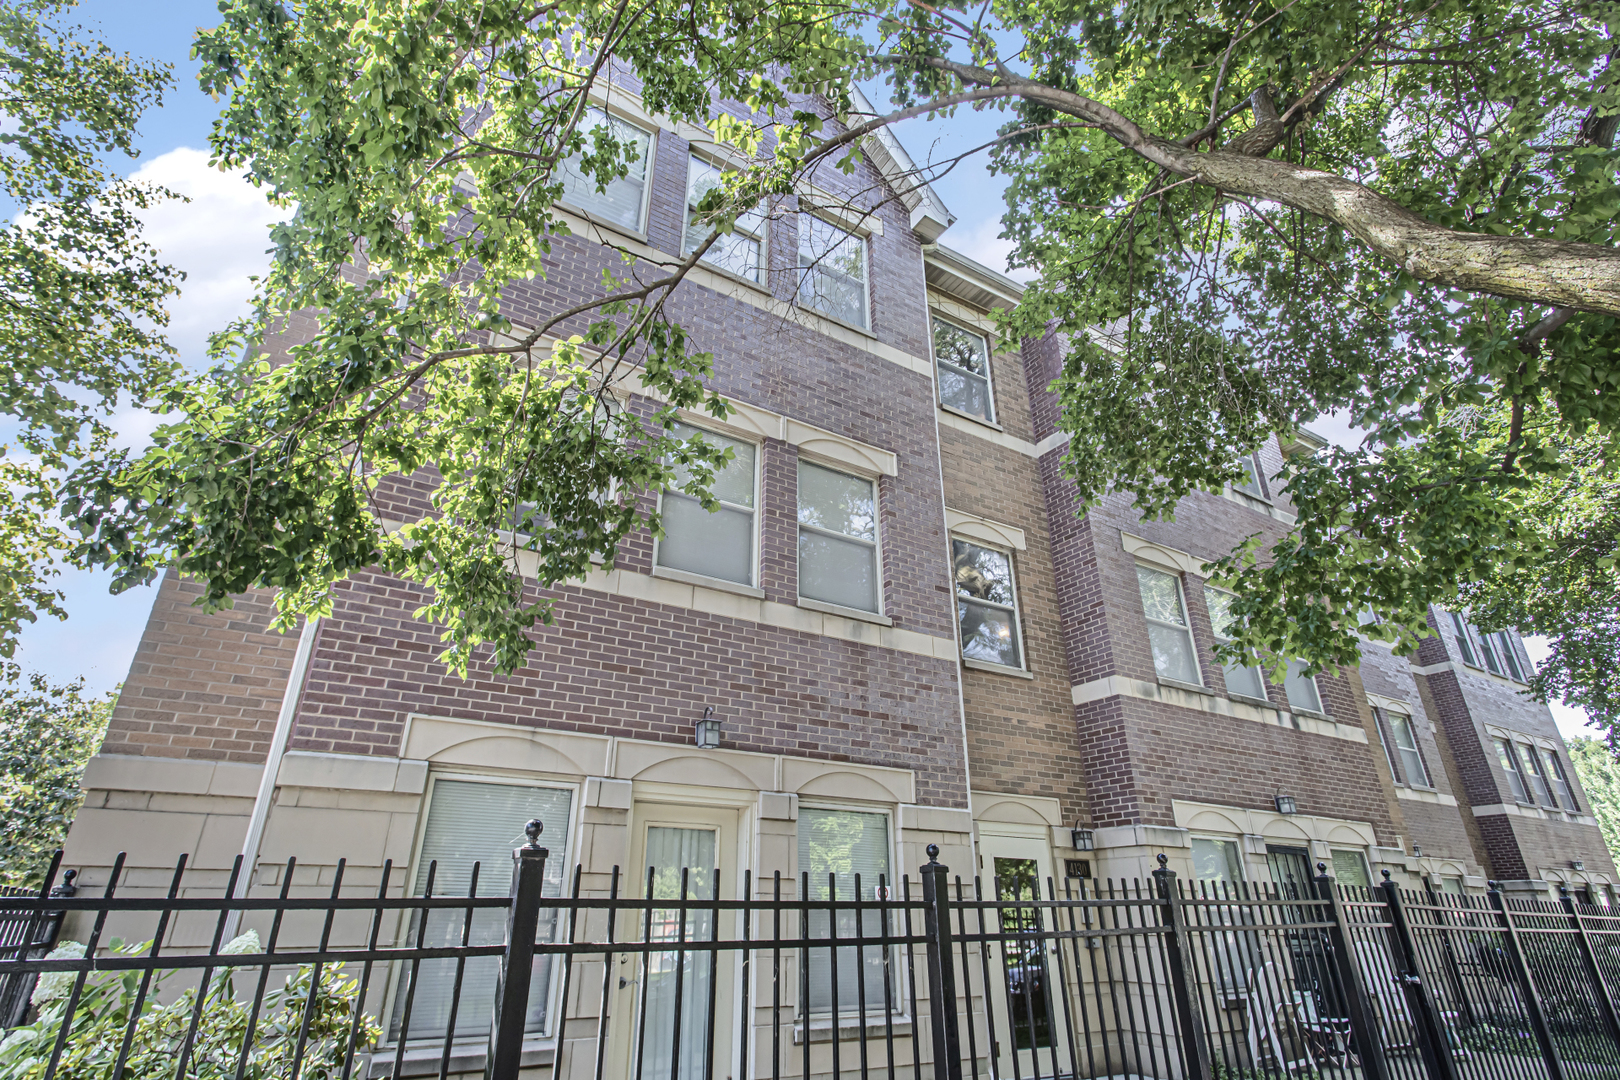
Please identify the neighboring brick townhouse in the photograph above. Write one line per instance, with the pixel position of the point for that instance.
(905, 629)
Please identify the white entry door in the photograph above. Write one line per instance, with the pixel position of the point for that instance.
(1026, 1007)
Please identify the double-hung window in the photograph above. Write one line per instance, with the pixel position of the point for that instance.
(1169, 636)
(1487, 648)
(1250, 484)
(1381, 719)
(832, 270)
(1217, 860)
(838, 849)
(986, 604)
(1559, 781)
(1537, 775)
(1404, 732)
(1350, 868)
(1510, 656)
(838, 538)
(1464, 646)
(1240, 678)
(962, 359)
(718, 544)
(472, 821)
(741, 251)
(1301, 688)
(623, 200)
(1507, 754)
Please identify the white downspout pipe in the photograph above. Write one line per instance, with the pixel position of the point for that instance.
(272, 766)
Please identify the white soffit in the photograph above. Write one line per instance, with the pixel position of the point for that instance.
(929, 217)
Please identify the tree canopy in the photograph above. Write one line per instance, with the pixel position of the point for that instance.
(82, 293)
(1277, 208)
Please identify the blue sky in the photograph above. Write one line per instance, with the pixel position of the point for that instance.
(219, 239)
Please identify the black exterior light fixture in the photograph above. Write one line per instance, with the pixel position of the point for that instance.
(1577, 864)
(1082, 839)
(1286, 805)
(706, 732)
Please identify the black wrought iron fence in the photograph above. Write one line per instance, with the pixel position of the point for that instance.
(662, 978)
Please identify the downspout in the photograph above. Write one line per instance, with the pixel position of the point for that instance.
(272, 765)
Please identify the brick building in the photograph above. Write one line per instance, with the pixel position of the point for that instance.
(907, 632)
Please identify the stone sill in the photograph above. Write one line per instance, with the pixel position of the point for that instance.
(954, 411)
(849, 1029)
(686, 577)
(847, 612)
(1192, 687)
(996, 669)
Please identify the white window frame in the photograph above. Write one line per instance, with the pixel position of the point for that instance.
(1558, 779)
(801, 270)
(1384, 739)
(1540, 785)
(1186, 613)
(571, 844)
(753, 562)
(878, 579)
(1416, 753)
(1017, 618)
(1521, 793)
(1359, 853)
(1253, 459)
(1316, 691)
(1220, 639)
(1510, 657)
(640, 228)
(1487, 652)
(762, 237)
(901, 1001)
(989, 367)
(1237, 845)
(1465, 647)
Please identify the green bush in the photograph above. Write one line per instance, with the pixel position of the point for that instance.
(101, 1020)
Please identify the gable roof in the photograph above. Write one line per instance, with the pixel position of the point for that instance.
(929, 216)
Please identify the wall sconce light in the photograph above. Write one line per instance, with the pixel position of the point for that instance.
(706, 732)
(1082, 839)
(1286, 804)
(1577, 864)
(1417, 852)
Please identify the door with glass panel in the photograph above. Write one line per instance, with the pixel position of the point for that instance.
(1026, 970)
(680, 854)
(474, 821)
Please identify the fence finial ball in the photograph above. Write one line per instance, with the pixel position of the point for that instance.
(1321, 868)
(533, 830)
(933, 852)
(1164, 861)
(1385, 872)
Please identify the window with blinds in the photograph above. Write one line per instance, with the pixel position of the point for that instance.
(622, 200)
(472, 823)
(836, 847)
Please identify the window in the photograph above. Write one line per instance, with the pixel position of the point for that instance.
(986, 604)
(963, 361)
(1560, 782)
(718, 544)
(1510, 656)
(1488, 649)
(838, 561)
(1508, 756)
(835, 848)
(1463, 645)
(622, 201)
(1301, 688)
(1250, 485)
(471, 821)
(1381, 721)
(1217, 860)
(739, 252)
(1538, 777)
(1168, 634)
(1350, 868)
(1404, 732)
(1240, 678)
(832, 270)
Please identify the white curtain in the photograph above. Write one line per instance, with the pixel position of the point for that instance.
(671, 851)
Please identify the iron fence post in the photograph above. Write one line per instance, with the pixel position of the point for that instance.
(1183, 983)
(1605, 1000)
(1431, 1029)
(1363, 1024)
(941, 969)
(1527, 986)
(517, 963)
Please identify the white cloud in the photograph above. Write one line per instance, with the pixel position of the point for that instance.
(220, 239)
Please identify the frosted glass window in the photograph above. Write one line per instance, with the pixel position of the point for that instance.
(836, 847)
(1405, 735)
(473, 822)
(1508, 757)
(718, 544)
(986, 604)
(669, 852)
(963, 360)
(738, 251)
(1301, 688)
(1464, 646)
(838, 556)
(832, 270)
(1240, 678)
(1168, 634)
(622, 200)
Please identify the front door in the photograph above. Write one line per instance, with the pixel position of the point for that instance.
(1026, 1009)
(667, 995)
